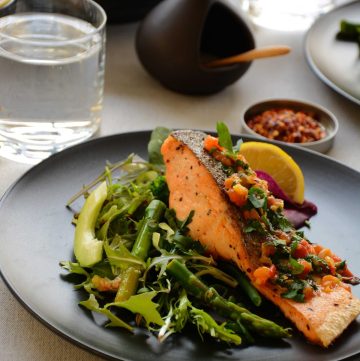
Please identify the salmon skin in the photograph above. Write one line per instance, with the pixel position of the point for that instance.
(196, 183)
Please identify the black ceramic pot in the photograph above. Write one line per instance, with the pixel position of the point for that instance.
(121, 11)
(178, 36)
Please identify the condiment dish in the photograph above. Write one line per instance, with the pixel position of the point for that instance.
(325, 118)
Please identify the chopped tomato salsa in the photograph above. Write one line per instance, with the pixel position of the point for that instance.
(287, 258)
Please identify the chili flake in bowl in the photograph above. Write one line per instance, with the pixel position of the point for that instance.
(292, 122)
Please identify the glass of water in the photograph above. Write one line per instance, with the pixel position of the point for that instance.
(286, 14)
(52, 55)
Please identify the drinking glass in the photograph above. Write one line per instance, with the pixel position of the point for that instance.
(52, 55)
(286, 14)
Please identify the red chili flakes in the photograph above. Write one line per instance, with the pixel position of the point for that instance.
(287, 125)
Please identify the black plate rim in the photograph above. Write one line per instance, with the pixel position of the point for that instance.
(92, 142)
(311, 62)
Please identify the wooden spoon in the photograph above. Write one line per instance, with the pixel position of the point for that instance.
(250, 55)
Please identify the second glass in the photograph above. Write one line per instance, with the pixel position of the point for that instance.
(286, 14)
(52, 59)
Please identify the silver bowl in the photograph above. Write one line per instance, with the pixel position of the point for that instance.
(322, 115)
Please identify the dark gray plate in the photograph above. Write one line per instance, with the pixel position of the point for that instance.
(335, 62)
(36, 234)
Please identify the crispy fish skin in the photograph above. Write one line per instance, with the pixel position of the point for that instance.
(195, 182)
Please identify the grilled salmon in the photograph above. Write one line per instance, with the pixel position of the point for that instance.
(196, 183)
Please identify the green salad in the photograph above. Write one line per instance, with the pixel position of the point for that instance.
(349, 31)
(139, 268)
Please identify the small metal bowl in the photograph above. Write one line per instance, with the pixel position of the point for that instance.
(322, 115)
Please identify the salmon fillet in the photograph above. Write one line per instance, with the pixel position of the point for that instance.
(195, 181)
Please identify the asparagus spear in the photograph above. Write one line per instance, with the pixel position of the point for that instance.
(211, 298)
(130, 277)
(240, 330)
(244, 283)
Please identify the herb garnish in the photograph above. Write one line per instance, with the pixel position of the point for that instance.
(257, 198)
(285, 248)
(224, 137)
(150, 267)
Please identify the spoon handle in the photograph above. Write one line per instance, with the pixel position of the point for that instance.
(250, 55)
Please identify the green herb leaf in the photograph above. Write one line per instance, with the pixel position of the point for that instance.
(293, 246)
(340, 265)
(224, 136)
(296, 267)
(293, 294)
(242, 164)
(319, 265)
(295, 291)
(279, 221)
(254, 226)
(298, 236)
(257, 197)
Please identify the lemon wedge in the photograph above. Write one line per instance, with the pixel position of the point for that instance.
(277, 163)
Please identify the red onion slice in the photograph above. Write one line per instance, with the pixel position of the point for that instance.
(297, 214)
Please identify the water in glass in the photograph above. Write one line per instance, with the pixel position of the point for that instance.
(51, 83)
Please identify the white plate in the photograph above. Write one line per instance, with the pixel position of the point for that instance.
(335, 62)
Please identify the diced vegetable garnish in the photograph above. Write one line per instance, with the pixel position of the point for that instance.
(140, 267)
(287, 259)
(147, 264)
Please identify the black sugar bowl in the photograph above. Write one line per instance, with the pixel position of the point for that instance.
(178, 37)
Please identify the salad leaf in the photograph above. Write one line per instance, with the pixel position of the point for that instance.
(183, 311)
(132, 186)
(142, 304)
(206, 324)
(103, 269)
(74, 267)
(121, 257)
(177, 317)
(157, 138)
(92, 304)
